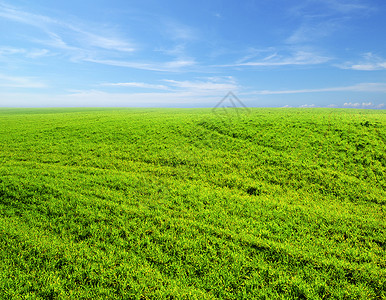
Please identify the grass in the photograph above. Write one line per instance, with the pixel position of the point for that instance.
(187, 204)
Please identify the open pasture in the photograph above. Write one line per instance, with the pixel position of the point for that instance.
(188, 204)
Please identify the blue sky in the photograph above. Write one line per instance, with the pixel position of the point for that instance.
(322, 53)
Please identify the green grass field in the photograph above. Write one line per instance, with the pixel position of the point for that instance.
(188, 204)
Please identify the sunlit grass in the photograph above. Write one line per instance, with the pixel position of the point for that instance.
(183, 203)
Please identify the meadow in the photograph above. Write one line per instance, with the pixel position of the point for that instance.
(190, 204)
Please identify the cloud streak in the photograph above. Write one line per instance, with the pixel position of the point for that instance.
(312, 31)
(57, 31)
(96, 98)
(101, 45)
(319, 19)
(178, 32)
(210, 86)
(170, 66)
(329, 8)
(137, 85)
(363, 105)
(6, 52)
(361, 87)
(276, 59)
(20, 82)
(369, 62)
(346, 6)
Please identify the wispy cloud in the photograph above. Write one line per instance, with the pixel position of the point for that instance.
(137, 85)
(104, 41)
(363, 105)
(279, 58)
(176, 50)
(369, 62)
(315, 8)
(368, 105)
(87, 42)
(346, 6)
(20, 82)
(307, 106)
(97, 98)
(177, 31)
(37, 53)
(312, 31)
(12, 13)
(7, 52)
(177, 38)
(361, 87)
(171, 66)
(319, 19)
(211, 84)
(58, 31)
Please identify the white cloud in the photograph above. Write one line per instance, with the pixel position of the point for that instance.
(308, 32)
(346, 6)
(349, 104)
(369, 62)
(203, 92)
(20, 82)
(137, 85)
(14, 14)
(95, 98)
(315, 9)
(274, 58)
(366, 66)
(106, 41)
(363, 105)
(319, 19)
(37, 53)
(211, 84)
(368, 105)
(6, 51)
(361, 87)
(176, 50)
(171, 66)
(58, 31)
(178, 31)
